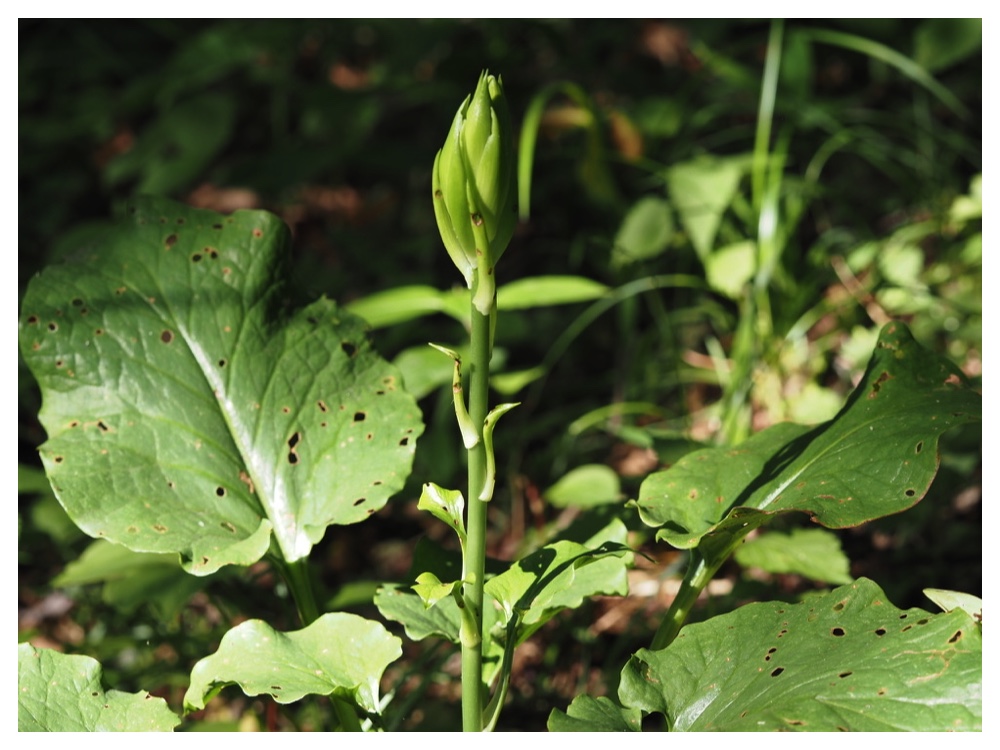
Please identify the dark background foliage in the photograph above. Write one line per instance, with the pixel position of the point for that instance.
(333, 125)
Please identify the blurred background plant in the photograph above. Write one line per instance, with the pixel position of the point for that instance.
(738, 205)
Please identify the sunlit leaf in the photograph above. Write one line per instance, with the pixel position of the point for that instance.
(878, 456)
(339, 654)
(63, 693)
(846, 661)
(189, 410)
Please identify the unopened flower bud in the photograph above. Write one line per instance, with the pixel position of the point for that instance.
(474, 188)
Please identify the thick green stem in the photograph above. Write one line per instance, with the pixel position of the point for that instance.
(475, 548)
(703, 563)
(699, 573)
(296, 575)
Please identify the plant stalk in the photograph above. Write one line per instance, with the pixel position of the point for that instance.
(475, 548)
(703, 563)
(296, 575)
(698, 574)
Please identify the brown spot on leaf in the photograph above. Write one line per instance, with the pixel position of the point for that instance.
(245, 478)
(167, 336)
(877, 385)
(170, 241)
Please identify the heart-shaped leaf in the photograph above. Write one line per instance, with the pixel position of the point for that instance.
(847, 660)
(189, 410)
(340, 654)
(62, 693)
(877, 457)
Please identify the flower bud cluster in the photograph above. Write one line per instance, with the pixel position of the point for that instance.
(474, 188)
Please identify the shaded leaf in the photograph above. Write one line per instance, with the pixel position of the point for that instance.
(588, 714)
(941, 42)
(814, 553)
(424, 371)
(132, 579)
(177, 146)
(848, 660)
(561, 575)
(584, 487)
(397, 603)
(397, 305)
(340, 654)
(645, 231)
(189, 411)
(701, 191)
(62, 693)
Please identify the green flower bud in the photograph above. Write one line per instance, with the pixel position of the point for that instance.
(474, 188)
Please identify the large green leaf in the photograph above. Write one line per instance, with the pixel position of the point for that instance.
(340, 654)
(62, 693)
(878, 456)
(848, 660)
(132, 579)
(188, 410)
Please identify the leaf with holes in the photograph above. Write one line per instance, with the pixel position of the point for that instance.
(848, 660)
(62, 693)
(877, 457)
(189, 410)
(339, 654)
